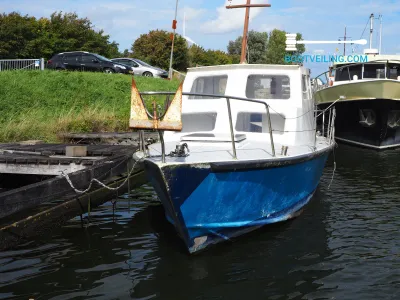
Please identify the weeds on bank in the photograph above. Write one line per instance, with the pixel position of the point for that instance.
(43, 104)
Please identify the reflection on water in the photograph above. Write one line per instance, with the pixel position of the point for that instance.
(344, 246)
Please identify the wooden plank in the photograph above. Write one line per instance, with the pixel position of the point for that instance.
(45, 221)
(31, 142)
(105, 135)
(45, 191)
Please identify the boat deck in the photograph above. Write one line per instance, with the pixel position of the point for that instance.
(246, 150)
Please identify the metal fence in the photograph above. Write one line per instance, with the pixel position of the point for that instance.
(22, 64)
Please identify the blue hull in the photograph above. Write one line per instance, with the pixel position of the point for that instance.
(210, 203)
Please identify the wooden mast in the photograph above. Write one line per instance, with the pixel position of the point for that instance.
(246, 24)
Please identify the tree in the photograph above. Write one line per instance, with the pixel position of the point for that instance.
(126, 53)
(71, 33)
(257, 47)
(28, 37)
(218, 57)
(197, 56)
(16, 32)
(155, 48)
(276, 47)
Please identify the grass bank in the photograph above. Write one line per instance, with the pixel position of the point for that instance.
(42, 104)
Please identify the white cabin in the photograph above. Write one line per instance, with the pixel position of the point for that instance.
(285, 88)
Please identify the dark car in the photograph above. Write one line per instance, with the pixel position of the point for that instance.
(86, 61)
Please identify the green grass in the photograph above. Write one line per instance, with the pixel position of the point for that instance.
(43, 104)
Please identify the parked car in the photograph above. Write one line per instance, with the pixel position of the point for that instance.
(86, 61)
(141, 68)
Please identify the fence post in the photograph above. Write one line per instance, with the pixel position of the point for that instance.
(42, 64)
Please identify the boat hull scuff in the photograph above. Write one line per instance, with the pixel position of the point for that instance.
(212, 202)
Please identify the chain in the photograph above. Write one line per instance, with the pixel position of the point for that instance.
(98, 181)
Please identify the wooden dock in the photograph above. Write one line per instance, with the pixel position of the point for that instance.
(35, 197)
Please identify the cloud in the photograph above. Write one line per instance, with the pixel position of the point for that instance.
(118, 6)
(390, 28)
(269, 27)
(125, 23)
(295, 9)
(229, 20)
(287, 22)
(191, 13)
(379, 7)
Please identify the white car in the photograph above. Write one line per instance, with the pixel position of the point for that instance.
(140, 68)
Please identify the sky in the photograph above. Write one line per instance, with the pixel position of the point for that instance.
(212, 26)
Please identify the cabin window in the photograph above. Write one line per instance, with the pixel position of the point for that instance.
(393, 71)
(198, 121)
(342, 74)
(215, 85)
(258, 122)
(347, 73)
(268, 87)
(333, 73)
(374, 71)
(355, 70)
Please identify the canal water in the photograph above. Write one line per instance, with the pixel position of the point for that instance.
(346, 245)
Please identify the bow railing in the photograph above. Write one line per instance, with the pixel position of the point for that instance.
(228, 104)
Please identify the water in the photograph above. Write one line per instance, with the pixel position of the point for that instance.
(344, 246)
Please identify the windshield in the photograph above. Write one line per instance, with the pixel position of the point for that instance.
(143, 63)
(102, 57)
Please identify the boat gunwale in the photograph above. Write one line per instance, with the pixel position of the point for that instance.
(245, 165)
(234, 166)
(358, 82)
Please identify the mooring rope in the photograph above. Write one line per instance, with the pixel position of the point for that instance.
(99, 182)
(297, 117)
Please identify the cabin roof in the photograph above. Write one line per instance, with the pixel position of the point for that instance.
(244, 66)
(372, 59)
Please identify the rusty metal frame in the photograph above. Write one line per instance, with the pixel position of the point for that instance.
(139, 119)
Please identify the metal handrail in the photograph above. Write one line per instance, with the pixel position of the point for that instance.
(228, 98)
